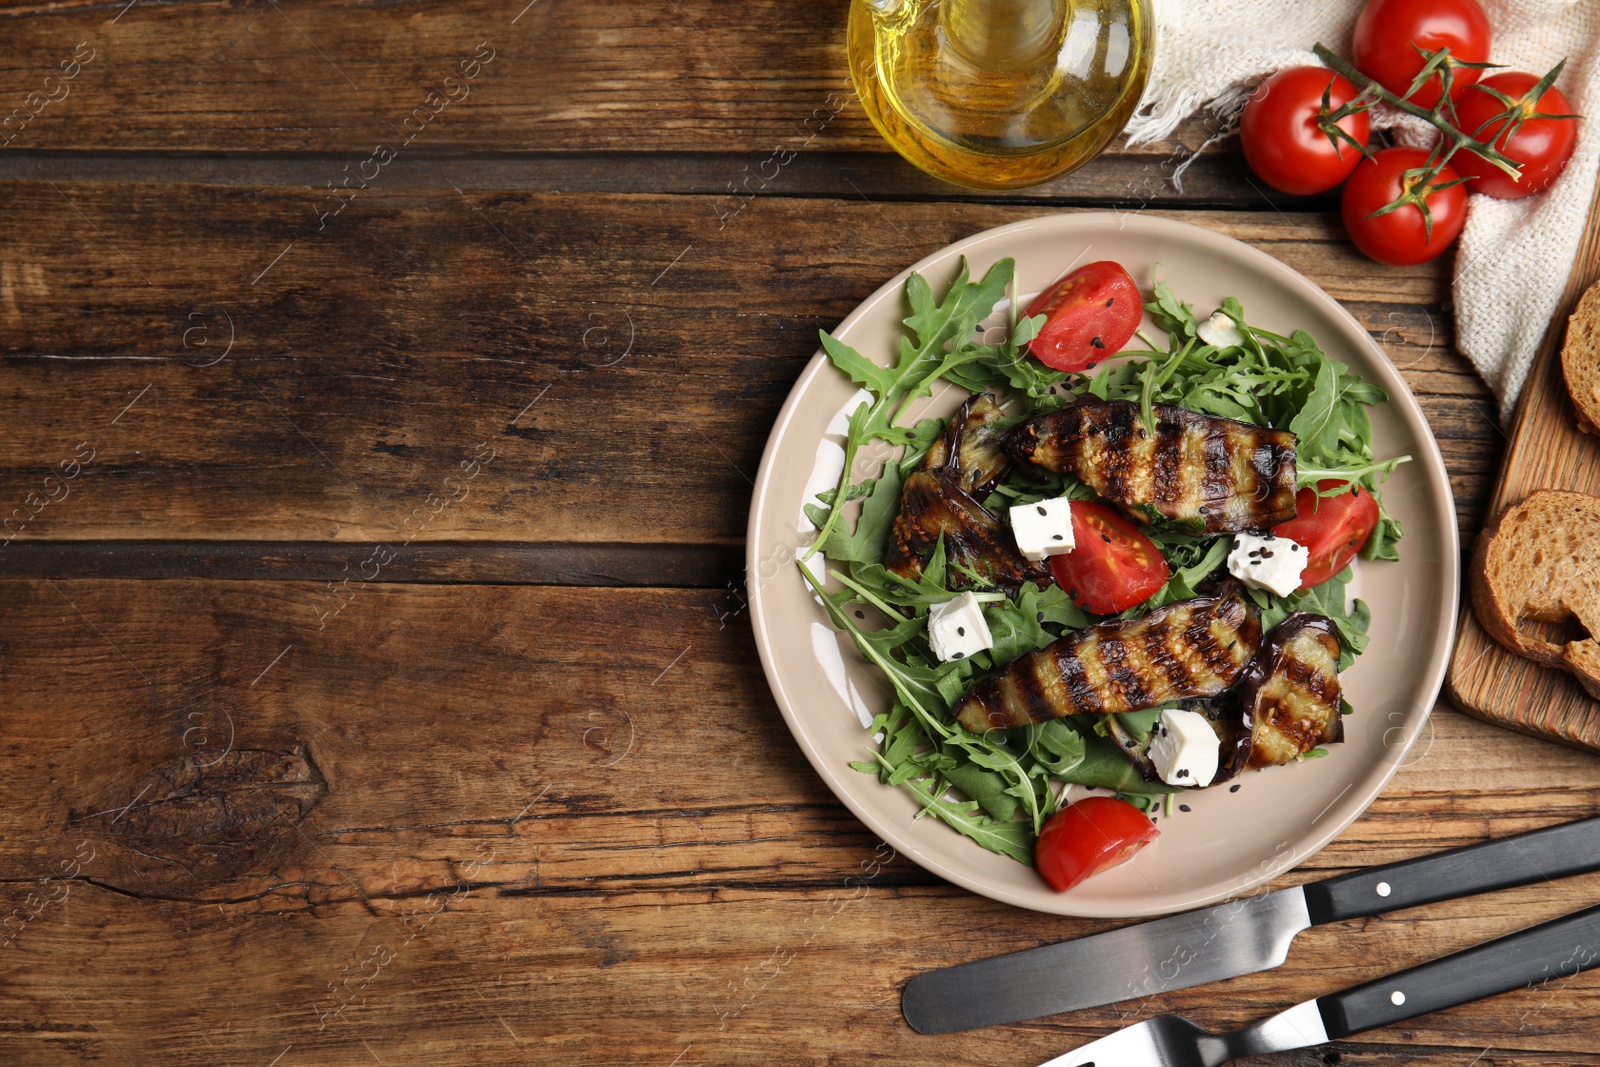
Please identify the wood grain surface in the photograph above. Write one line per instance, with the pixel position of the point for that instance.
(378, 686)
(1546, 451)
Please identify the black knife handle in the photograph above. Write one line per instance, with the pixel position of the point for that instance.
(1553, 852)
(1550, 951)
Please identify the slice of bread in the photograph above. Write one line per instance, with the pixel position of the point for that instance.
(1580, 359)
(1540, 560)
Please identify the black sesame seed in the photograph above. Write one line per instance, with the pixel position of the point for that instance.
(1106, 538)
(1041, 616)
(1096, 342)
(1184, 807)
(959, 655)
(861, 614)
(1057, 537)
(1352, 543)
(1183, 774)
(1108, 302)
(1202, 509)
(1234, 788)
(961, 631)
(1091, 366)
(1266, 553)
(1042, 511)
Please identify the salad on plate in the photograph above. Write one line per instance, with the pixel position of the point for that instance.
(1118, 569)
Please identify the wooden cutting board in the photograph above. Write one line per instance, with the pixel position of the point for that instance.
(1547, 451)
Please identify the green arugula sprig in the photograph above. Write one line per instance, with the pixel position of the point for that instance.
(940, 341)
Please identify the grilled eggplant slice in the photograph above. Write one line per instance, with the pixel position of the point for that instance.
(940, 499)
(1198, 474)
(972, 437)
(934, 504)
(1193, 648)
(1290, 694)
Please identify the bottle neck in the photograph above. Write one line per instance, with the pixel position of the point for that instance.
(999, 34)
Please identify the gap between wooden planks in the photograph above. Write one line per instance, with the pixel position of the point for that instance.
(1547, 451)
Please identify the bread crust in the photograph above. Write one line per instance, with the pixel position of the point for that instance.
(1504, 591)
(1580, 360)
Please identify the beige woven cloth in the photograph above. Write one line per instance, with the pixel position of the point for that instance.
(1512, 263)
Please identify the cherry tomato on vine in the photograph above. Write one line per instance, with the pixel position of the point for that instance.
(1092, 311)
(1400, 237)
(1085, 838)
(1112, 566)
(1386, 31)
(1541, 145)
(1283, 142)
(1333, 528)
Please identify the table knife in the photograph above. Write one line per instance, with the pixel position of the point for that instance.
(1559, 948)
(1239, 937)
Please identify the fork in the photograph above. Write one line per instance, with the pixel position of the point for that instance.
(1559, 948)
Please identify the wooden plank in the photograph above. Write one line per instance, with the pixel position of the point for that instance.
(1122, 177)
(1546, 451)
(496, 860)
(756, 83)
(431, 561)
(653, 339)
(662, 977)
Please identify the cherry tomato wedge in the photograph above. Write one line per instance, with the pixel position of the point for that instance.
(1092, 313)
(1386, 30)
(1112, 566)
(1333, 528)
(1283, 143)
(1085, 838)
(1541, 145)
(1400, 237)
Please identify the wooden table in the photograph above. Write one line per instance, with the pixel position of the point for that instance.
(376, 680)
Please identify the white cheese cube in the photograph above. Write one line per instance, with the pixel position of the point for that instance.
(1043, 529)
(1184, 748)
(957, 629)
(1221, 331)
(1271, 563)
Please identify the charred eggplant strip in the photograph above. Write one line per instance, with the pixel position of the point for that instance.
(1291, 694)
(1197, 473)
(940, 499)
(974, 442)
(1193, 648)
(932, 505)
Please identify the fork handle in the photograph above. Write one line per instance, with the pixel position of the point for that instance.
(1552, 852)
(1557, 949)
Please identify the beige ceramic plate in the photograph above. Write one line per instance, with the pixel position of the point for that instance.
(1229, 841)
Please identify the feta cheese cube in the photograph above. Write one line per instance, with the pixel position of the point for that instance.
(957, 628)
(1271, 563)
(1221, 331)
(1043, 529)
(1184, 748)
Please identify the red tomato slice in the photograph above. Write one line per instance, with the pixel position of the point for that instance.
(1085, 838)
(1092, 313)
(1387, 30)
(1112, 566)
(1542, 146)
(1283, 143)
(1333, 528)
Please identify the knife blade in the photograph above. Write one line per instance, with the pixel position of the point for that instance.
(1239, 937)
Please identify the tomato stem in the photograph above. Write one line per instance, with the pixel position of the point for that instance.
(1454, 138)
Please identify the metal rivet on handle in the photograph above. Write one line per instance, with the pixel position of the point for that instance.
(1397, 997)
(1383, 889)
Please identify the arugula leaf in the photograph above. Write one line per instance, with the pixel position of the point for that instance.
(1014, 839)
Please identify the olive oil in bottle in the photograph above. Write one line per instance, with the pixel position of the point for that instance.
(999, 94)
